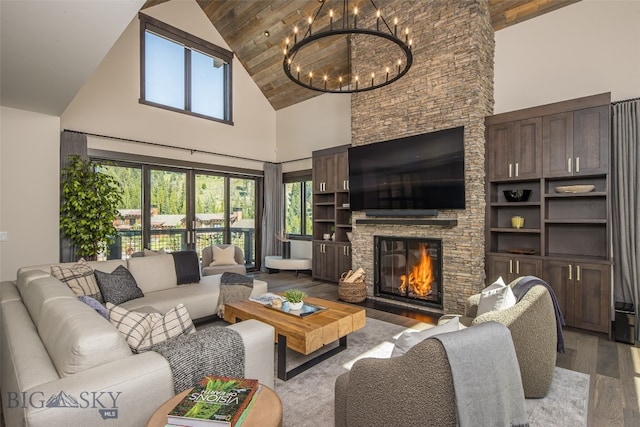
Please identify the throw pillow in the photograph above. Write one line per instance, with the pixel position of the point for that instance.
(410, 338)
(95, 304)
(79, 278)
(226, 256)
(496, 296)
(118, 286)
(149, 252)
(187, 266)
(143, 330)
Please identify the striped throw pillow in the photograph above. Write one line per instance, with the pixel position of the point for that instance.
(143, 330)
(79, 277)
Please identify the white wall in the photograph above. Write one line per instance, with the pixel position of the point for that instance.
(317, 123)
(29, 189)
(108, 104)
(590, 47)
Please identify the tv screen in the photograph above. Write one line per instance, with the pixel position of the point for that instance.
(420, 172)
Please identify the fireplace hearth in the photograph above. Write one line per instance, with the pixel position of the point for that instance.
(408, 269)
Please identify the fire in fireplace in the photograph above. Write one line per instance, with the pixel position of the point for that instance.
(408, 269)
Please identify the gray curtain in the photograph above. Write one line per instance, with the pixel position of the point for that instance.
(625, 116)
(272, 222)
(71, 143)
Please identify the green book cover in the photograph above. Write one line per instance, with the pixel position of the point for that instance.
(214, 401)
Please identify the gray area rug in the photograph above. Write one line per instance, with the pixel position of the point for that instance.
(308, 398)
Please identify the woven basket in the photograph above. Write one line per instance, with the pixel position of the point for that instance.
(352, 292)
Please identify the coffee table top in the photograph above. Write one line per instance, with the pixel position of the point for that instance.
(304, 334)
(265, 412)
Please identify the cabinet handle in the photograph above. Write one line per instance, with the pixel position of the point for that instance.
(510, 266)
(517, 266)
(517, 173)
(577, 164)
(569, 165)
(570, 268)
(510, 170)
(577, 273)
(347, 184)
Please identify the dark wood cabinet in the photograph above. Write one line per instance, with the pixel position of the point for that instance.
(566, 232)
(583, 292)
(331, 213)
(576, 143)
(515, 149)
(512, 267)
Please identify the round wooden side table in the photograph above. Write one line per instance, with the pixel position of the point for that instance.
(265, 412)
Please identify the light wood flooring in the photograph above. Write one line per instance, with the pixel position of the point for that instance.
(614, 367)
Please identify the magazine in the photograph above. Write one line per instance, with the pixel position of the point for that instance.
(265, 299)
(215, 401)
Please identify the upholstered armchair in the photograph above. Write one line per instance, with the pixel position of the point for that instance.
(224, 264)
(532, 323)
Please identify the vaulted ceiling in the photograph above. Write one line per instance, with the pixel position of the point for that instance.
(244, 26)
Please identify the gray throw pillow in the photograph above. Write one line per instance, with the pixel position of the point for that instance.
(119, 286)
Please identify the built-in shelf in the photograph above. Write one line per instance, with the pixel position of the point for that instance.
(516, 230)
(443, 222)
(575, 221)
(565, 195)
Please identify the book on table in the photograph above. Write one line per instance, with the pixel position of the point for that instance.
(265, 299)
(215, 401)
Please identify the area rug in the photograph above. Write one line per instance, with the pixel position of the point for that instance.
(308, 398)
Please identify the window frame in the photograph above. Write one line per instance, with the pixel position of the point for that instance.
(190, 42)
(305, 178)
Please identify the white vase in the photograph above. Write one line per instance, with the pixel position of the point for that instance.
(296, 305)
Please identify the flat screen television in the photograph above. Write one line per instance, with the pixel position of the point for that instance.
(415, 175)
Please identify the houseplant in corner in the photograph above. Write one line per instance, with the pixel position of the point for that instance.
(295, 297)
(89, 207)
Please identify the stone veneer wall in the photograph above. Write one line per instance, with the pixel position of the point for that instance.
(450, 84)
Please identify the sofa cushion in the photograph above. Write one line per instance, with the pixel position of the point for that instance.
(410, 338)
(153, 273)
(119, 286)
(226, 256)
(149, 252)
(143, 330)
(187, 267)
(77, 338)
(496, 296)
(79, 278)
(42, 290)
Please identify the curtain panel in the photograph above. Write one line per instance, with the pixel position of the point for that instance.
(272, 222)
(625, 126)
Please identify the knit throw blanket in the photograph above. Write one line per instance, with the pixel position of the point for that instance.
(522, 287)
(211, 351)
(234, 287)
(486, 376)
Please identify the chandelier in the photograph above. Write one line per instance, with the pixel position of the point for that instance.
(314, 62)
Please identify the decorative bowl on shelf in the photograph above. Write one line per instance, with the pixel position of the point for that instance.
(575, 188)
(521, 195)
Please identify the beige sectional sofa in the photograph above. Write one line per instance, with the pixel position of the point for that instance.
(63, 364)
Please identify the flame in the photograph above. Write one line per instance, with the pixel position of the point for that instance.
(421, 275)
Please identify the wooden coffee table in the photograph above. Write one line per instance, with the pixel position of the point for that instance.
(265, 412)
(303, 334)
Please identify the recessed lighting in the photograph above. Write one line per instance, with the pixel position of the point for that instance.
(266, 33)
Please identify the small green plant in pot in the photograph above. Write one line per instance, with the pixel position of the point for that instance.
(295, 297)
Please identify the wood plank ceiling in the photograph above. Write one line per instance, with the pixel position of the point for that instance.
(244, 26)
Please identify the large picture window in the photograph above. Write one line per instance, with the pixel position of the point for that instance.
(298, 212)
(184, 73)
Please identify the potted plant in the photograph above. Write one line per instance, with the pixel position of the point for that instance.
(89, 207)
(295, 297)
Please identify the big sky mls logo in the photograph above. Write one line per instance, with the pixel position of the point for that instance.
(106, 402)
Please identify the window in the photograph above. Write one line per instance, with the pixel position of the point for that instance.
(298, 212)
(183, 73)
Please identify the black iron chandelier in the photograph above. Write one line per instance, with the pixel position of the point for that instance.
(343, 22)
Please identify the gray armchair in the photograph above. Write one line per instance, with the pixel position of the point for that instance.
(207, 258)
(532, 323)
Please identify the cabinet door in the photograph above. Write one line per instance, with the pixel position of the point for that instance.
(591, 140)
(499, 266)
(344, 259)
(557, 144)
(527, 267)
(342, 171)
(319, 174)
(319, 261)
(500, 151)
(527, 160)
(556, 274)
(592, 297)
(331, 261)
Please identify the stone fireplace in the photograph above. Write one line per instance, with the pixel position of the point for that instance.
(408, 269)
(449, 85)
